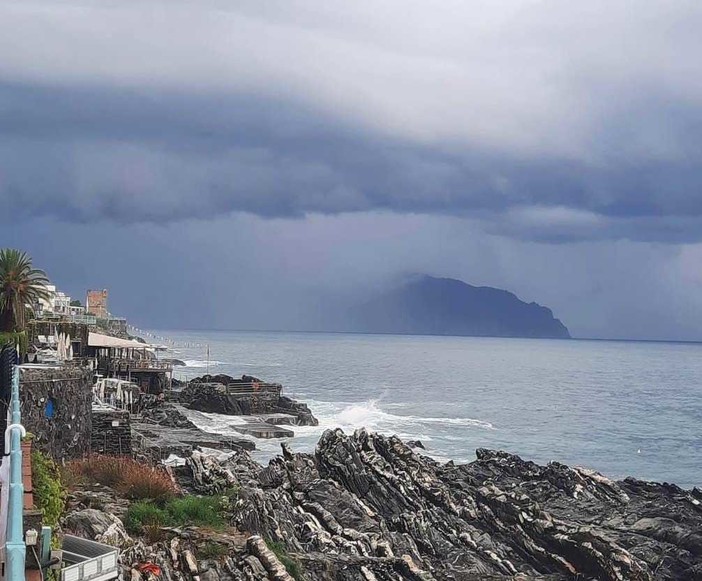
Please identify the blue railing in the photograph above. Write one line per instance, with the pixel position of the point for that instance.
(15, 549)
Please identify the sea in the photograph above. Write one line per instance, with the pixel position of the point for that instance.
(622, 408)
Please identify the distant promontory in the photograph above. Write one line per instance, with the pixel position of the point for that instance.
(443, 306)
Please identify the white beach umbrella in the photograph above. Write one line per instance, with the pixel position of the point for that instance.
(59, 347)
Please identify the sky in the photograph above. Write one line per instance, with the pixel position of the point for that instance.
(234, 165)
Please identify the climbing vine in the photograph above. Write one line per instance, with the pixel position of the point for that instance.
(49, 491)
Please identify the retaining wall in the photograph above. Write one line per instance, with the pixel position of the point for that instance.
(56, 407)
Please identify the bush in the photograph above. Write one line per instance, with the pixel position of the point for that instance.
(15, 338)
(141, 482)
(147, 517)
(128, 477)
(49, 492)
(145, 514)
(292, 565)
(199, 510)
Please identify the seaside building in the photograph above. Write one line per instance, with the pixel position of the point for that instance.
(130, 360)
(55, 303)
(96, 303)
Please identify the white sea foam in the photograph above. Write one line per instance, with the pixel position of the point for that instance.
(348, 416)
(201, 363)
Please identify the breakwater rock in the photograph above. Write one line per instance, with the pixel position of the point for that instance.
(368, 507)
(247, 396)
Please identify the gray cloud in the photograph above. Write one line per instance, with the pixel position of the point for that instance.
(268, 155)
(133, 157)
(518, 115)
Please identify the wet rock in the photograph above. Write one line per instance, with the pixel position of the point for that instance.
(165, 414)
(226, 395)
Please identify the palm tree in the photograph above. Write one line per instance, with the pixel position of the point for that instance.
(21, 286)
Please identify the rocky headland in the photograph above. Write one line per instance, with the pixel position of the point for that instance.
(369, 507)
(425, 305)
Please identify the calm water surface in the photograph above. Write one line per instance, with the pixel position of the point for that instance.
(621, 408)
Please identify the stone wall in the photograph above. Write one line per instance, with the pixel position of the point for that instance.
(56, 407)
(112, 432)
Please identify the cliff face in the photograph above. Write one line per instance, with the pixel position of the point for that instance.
(443, 306)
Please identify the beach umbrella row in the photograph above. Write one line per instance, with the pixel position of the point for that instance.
(64, 348)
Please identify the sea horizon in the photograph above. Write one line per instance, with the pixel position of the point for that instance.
(317, 332)
(624, 408)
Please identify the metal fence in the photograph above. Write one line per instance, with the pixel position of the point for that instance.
(88, 560)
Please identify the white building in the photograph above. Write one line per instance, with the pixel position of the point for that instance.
(56, 302)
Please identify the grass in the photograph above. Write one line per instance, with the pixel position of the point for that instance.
(200, 510)
(130, 478)
(144, 514)
(292, 565)
(203, 511)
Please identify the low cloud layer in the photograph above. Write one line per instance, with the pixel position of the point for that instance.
(544, 121)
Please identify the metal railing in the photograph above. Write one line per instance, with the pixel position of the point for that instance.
(142, 364)
(246, 388)
(88, 560)
(15, 549)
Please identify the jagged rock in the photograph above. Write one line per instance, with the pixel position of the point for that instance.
(166, 414)
(99, 526)
(367, 506)
(275, 569)
(208, 475)
(213, 394)
(100, 498)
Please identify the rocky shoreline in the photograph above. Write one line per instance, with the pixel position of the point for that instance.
(164, 427)
(369, 507)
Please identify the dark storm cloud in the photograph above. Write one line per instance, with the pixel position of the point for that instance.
(129, 156)
(543, 121)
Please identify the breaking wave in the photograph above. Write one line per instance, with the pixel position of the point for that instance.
(201, 363)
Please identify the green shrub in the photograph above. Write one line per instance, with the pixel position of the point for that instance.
(15, 338)
(198, 510)
(145, 514)
(291, 564)
(49, 492)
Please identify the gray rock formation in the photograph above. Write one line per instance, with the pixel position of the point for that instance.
(213, 394)
(368, 507)
(166, 414)
(99, 526)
